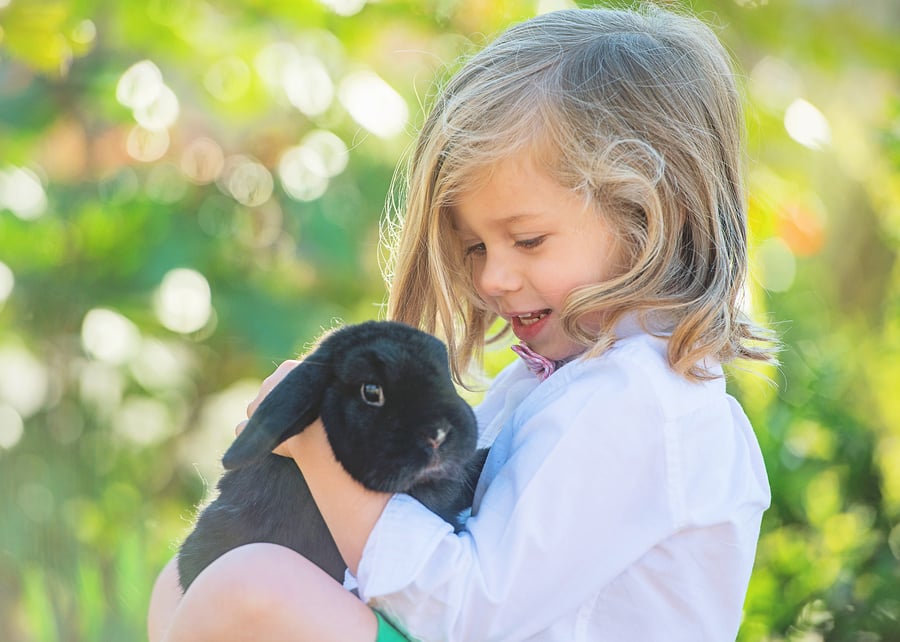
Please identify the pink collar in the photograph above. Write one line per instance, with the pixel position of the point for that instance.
(541, 366)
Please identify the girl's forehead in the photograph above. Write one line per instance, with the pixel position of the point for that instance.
(476, 162)
(509, 171)
(517, 194)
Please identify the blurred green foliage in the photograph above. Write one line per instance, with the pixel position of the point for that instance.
(169, 230)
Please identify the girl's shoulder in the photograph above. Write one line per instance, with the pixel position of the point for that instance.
(635, 371)
(628, 401)
(631, 383)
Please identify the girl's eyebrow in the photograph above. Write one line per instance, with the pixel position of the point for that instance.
(507, 221)
(517, 218)
(512, 219)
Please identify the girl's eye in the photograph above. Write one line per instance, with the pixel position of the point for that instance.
(529, 244)
(475, 249)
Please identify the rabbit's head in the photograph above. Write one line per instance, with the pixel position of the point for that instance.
(386, 398)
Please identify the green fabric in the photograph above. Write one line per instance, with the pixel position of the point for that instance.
(387, 632)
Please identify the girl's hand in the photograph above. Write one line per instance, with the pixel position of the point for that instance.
(349, 509)
(311, 444)
(267, 385)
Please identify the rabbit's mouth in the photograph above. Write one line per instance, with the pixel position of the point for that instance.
(438, 468)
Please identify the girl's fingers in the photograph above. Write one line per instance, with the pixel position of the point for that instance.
(267, 385)
(281, 449)
(270, 382)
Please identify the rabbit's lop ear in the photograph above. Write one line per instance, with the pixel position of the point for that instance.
(291, 406)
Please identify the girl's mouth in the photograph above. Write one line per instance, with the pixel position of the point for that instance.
(527, 326)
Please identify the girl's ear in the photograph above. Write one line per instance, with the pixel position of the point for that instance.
(291, 406)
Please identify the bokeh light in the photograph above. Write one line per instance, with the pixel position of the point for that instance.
(7, 282)
(305, 170)
(546, 6)
(22, 192)
(298, 170)
(84, 32)
(142, 421)
(345, 7)
(162, 365)
(153, 103)
(140, 85)
(147, 145)
(24, 379)
(161, 112)
(272, 60)
(109, 336)
(373, 103)
(202, 160)
(806, 124)
(774, 83)
(307, 84)
(247, 180)
(11, 426)
(183, 301)
(330, 150)
(101, 386)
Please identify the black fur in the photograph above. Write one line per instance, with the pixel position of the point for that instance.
(420, 441)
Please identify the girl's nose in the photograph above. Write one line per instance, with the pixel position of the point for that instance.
(498, 277)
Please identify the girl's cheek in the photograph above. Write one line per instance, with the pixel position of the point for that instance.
(477, 272)
(477, 289)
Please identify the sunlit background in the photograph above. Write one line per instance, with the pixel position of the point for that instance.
(190, 192)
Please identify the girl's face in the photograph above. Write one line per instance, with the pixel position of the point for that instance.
(529, 242)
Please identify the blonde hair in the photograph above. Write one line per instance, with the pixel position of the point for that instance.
(636, 110)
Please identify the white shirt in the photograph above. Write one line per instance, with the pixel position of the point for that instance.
(619, 502)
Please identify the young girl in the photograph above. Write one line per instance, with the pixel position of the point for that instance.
(579, 179)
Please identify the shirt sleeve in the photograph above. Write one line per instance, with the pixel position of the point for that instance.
(583, 493)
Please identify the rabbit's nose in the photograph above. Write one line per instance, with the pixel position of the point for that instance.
(438, 438)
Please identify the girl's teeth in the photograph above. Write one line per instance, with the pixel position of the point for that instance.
(531, 318)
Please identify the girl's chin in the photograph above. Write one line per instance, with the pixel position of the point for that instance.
(560, 353)
(555, 348)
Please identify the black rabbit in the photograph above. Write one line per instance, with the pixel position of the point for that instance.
(393, 419)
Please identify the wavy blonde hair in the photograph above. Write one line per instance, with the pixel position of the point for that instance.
(638, 111)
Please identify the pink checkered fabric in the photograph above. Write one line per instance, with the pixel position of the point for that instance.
(541, 366)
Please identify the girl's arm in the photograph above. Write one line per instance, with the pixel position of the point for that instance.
(349, 509)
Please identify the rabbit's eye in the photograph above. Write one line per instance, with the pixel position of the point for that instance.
(372, 394)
